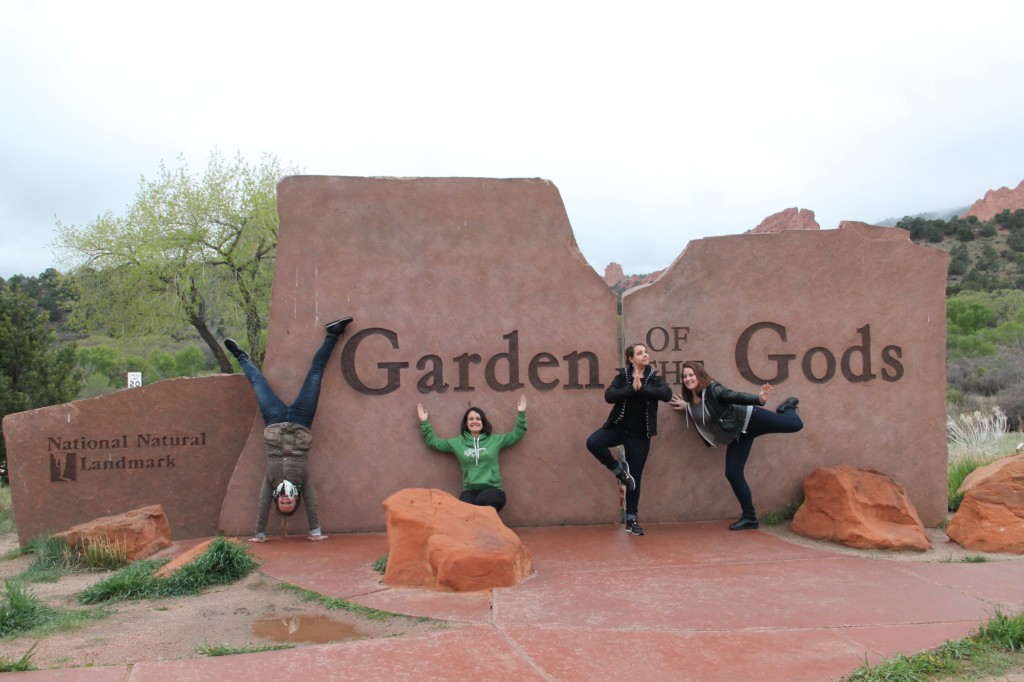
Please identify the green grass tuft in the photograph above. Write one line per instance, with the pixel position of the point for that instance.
(6, 511)
(21, 665)
(225, 650)
(1004, 632)
(21, 610)
(342, 604)
(958, 469)
(988, 653)
(381, 564)
(224, 561)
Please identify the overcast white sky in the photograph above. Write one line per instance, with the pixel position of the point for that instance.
(660, 122)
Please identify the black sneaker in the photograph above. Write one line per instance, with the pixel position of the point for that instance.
(633, 527)
(745, 524)
(233, 348)
(338, 326)
(624, 476)
(790, 402)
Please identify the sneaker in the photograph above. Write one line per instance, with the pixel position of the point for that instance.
(790, 402)
(633, 527)
(744, 524)
(624, 476)
(338, 326)
(233, 348)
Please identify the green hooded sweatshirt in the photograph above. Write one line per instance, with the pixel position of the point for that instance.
(478, 456)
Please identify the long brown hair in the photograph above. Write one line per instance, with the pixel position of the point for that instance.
(703, 378)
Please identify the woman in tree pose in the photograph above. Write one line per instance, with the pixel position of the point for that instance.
(287, 437)
(476, 448)
(733, 419)
(634, 394)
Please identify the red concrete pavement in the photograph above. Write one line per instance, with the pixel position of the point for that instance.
(686, 602)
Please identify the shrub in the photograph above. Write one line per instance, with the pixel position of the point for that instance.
(21, 609)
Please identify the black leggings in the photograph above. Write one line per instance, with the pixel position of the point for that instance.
(762, 422)
(488, 497)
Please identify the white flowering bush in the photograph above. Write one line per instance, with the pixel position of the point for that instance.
(976, 433)
(975, 439)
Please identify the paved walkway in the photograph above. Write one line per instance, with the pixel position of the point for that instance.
(686, 602)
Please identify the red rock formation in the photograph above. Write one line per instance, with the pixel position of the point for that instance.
(996, 201)
(141, 532)
(434, 540)
(789, 219)
(991, 515)
(860, 508)
(618, 281)
(184, 558)
(613, 274)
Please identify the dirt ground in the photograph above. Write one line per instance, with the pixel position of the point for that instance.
(151, 630)
(165, 629)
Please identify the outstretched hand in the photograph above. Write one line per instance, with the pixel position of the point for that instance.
(421, 411)
(677, 402)
(522, 403)
(763, 395)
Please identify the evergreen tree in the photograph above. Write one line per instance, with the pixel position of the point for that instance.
(34, 370)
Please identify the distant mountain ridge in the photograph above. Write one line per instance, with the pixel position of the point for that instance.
(993, 203)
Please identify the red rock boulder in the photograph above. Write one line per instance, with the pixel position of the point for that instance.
(789, 219)
(141, 532)
(860, 508)
(991, 515)
(1005, 470)
(182, 559)
(434, 540)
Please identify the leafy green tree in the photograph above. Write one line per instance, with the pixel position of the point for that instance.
(189, 361)
(959, 260)
(34, 371)
(966, 316)
(190, 251)
(1013, 220)
(99, 359)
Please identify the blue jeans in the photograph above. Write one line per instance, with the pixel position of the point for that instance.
(303, 408)
(636, 446)
(762, 422)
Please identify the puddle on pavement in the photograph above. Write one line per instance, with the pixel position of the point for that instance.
(315, 629)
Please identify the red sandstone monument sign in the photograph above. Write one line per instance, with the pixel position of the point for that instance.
(472, 292)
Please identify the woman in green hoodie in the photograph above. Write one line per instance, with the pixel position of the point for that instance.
(476, 449)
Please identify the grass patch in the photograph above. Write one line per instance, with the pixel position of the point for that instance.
(778, 518)
(958, 469)
(381, 564)
(991, 651)
(19, 666)
(6, 510)
(21, 609)
(1005, 632)
(224, 650)
(343, 604)
(54, 556)
(23, 615)
(225, 561)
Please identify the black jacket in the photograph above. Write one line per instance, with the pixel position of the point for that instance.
(723, 405)
(651, 391)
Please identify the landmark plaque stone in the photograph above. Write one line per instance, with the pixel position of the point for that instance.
(471, 292)
(463, 291)
(173, 443)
